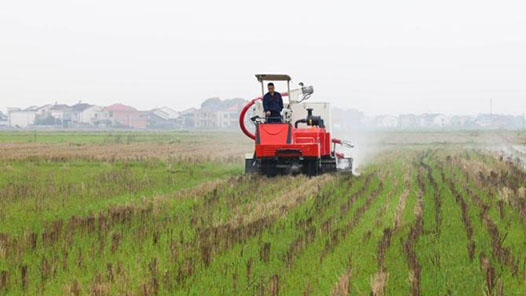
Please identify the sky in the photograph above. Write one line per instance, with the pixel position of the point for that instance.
(381, 57)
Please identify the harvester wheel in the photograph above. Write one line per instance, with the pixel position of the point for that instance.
(311, 167)
(269, 169)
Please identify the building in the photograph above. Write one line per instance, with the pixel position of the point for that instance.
(435, 120)
(206, 119)
(229, 118)
(50, 114)
(410, 121)
(188, 118)
(77, 110)
(43, 111)
(120, 115)
(86, 114)
(461, 121)
(214, 113)
(164, 118)
(4, 122)
(63, 114)
(167, 113)
(22, 118)
(498, 121)
(386, 121)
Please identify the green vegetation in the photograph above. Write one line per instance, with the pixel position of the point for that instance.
(424, 220)
(37, 191)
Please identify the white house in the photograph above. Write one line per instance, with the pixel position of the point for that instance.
(189, 118)
(229, 118)
(91, 115)
(61, 112)
(43, 111)
(441, 120)
(386, 121)
(3, 120)
(166, 113)
(22, 118)
(435, 120)
(86, 113)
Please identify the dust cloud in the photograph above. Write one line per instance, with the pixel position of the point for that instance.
(367, 144)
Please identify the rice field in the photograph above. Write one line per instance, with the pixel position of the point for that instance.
(171, 213)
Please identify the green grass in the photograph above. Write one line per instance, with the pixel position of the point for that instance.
(37, 191)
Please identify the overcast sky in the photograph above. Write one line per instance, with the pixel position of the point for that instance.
(449, 56)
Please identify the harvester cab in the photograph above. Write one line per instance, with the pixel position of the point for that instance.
(299, 142)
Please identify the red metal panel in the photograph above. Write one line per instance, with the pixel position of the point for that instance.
(275, 134)
(311, 141)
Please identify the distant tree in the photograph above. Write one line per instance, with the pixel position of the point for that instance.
(49, 120)
(212, 103)
(216, 104)
(234, 102)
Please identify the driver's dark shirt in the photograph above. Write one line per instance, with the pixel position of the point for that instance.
(273, 103)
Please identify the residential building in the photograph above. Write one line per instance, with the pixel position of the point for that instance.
(3, 120)
(410, 121)
(22, 118)
(498, 121)
(76, 111)
(167, 113)
(188, 118)
(434, 120)
(229, 118)
(125, 116)
(214, 113)
(461, 121)
(163, 118)
(45, 115)
(86, 114)
(63, 114)
(43, 111)
(206, 119)
(386, 121)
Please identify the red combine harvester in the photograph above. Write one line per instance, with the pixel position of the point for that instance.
(301, 143)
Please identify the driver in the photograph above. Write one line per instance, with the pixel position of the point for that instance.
(272, 105)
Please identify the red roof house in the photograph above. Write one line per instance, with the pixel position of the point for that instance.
(126, 116)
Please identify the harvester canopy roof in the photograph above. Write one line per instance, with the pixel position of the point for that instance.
(274, 77)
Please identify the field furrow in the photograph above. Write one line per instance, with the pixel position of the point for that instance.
(415, 269)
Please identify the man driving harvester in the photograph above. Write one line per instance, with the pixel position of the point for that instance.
(272, 105)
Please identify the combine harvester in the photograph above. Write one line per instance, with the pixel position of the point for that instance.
(301, 143)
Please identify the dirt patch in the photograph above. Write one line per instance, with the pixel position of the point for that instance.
(342, 287)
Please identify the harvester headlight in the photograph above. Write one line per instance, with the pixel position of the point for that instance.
(306, 91)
